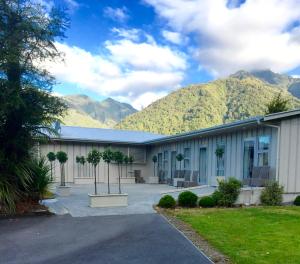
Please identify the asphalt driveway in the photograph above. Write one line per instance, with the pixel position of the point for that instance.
(141, 239)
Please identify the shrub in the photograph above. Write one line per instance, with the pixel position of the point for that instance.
(297, 201)
(167, 201)
(38, 172)
(227, 192)
(187, 199)
(272, 194)
(207, 201)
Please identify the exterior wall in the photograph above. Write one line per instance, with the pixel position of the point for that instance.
(84, 174)
(289, 155)
(233, 151)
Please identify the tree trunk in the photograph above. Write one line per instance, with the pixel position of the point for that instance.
(119, 179)
(95, 180)
(51, 168)
(62, 172)
(154, 169)
(126, 170)
(108, 187)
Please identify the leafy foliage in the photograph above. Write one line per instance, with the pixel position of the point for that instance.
(118, 157)
(227, 192)
(94, 157)
(179, 157)
(51, 156)
(154, 159)
(27, 109)
(207, 201)
(278, 104)
(297, 201)
(205, 105)
(62, 157)
(187, 199)
(167, 201)
(272, 194)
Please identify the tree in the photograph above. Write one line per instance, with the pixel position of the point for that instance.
(154, 160)
(180, 158)
(94, 158)
(130, 161)
(119, 158)
(278, 104)
(62, 158)
(27, 109)
(82, 162)
(108, 157)
(78, 163)
(51, 157)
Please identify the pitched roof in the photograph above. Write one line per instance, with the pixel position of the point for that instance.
(72, 133)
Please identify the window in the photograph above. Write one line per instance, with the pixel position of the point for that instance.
(187, 157)
(220, 159)
(263, 150)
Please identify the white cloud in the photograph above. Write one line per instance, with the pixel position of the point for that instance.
(171, 36)
(253, 35)
(131, 34)
(138, 73)
(117, 14)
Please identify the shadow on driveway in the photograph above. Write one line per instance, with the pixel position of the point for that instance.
(140, 239)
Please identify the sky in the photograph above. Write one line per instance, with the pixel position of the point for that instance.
(137, 51)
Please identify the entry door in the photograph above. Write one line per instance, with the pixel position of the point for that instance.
(203, 165)
(173, 164)
(248, 161)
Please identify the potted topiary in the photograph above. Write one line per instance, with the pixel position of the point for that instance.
(62, 189)
(154, 178)
(94, 158)
(51, 157)
(108, 157)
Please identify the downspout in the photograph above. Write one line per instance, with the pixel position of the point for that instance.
(278, 148)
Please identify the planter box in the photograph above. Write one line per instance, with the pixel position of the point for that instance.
(84, 180)
(153, 179)
(249, 196)
(130, 180)
(63, 190)
(108, 200)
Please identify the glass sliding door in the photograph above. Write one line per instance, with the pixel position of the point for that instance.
(248, 162)
(203, 165)
(173, 164)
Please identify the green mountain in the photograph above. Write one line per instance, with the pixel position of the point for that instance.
(237, 97)
(83, 111)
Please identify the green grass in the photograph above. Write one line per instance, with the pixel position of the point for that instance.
(249, 235)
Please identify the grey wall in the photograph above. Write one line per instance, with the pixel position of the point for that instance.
(289, 157)
(233, 152)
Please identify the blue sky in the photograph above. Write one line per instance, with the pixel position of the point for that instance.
(137, 51)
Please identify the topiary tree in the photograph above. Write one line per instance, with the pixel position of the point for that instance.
(167, 201)
(78, 163)
(62, 157)
(187, 199)
(180, 158)
(154, 160)
(94, 157)
(297, 201)
(108, 157)
(51, 157)
(278, 104)
(207, 202)
(119, 158)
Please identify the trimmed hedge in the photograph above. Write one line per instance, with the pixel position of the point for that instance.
(167, 201)
(187, 199)
(207, 202)
(297, 201)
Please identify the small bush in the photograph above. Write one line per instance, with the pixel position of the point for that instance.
(272, 194)
(187, 199)
(227, 192)
(297, 201)
(167, 201)
(207, 201)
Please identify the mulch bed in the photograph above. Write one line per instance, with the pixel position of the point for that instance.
(194, 237)
(27, 208)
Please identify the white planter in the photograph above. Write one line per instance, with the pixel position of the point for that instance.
(63, 190)
(153, 179)
(108, 200)
(128, 180)
(249, 196)
(84, 180)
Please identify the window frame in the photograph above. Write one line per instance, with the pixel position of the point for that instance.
(187, 158)
(263, 151)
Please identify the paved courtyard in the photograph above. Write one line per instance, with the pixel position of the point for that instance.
(132, 239)
(141, 198)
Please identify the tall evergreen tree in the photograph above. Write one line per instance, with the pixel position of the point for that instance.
(28, 32)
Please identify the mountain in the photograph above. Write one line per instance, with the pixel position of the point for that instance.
(84, 111)
(241, 95)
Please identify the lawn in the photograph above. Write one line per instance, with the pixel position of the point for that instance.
(249, 235)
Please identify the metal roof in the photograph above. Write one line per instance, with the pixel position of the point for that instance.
(281, 115)
(72, 133)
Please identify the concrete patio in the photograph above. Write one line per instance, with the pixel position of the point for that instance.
(141, 198)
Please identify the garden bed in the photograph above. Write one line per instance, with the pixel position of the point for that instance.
(245, 235)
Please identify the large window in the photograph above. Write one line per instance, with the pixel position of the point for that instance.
(187, 159)
(263, 150)
(220, 155)
(166, 160)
